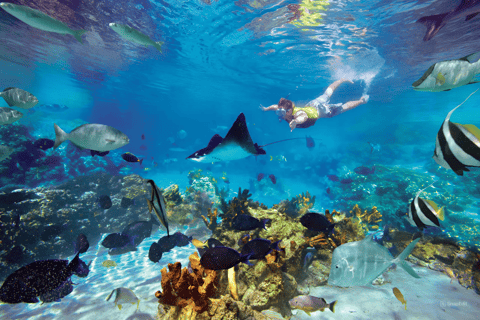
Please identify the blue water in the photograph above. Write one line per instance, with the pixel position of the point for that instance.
(222, 58)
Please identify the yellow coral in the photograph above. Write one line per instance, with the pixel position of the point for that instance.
(212, 216)
(368, 218)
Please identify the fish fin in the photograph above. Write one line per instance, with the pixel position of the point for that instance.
(154, 220)
(60, 136)
(405, 305)
(307, 312)
(245, 259)
(119, 306)
(141, 161)
(78, 35)
(471, 16)
(331, 306)
(472, 129)
(265, 221)
(473, 82)
(111, 293)
(433, 23)
(138, 304)
(459, 172)
(441, 213)
(401, 259)
(158, 45)
(150, 205)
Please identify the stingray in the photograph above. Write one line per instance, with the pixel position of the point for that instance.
(236, 145)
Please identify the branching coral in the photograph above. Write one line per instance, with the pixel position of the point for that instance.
(371, 218)
(297, 206)
(238, 205)
(211, 223)
(172, 195)
(188, 290)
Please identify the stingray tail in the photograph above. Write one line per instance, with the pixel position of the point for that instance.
(158, 45)
(433, 23)
(78, 35)
(401, 258)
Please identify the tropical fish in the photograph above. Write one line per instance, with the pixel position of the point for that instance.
(127, 202)
(166, 243)
(98, 137)
(81, 244)
(259, 248)
(117, 240)
(209, 243)
(399, 296)
(423, 213)
(200, 244)
(307, 260)
(310, 142)
(133, 35)
(57, 294)
(221, 258)
(5, 152)
(260, 177)
(317, 222)
(449, 74)
(457, 146)
(39, 278)
(124, 295)
(364, 171)
(346, 181)
(358, 263)
(273, 179)
(244, 222)
(311, 304)
(157, 203)
(40, 20)
(53, 107)
(109, 263)
(129, 157)
(44, 144)
(98, 153)
(237, 144)
(374, 147)
(140, 230)
(333, 177)
(104, 202)
(466, 8)
(9, 115)
(143, 136)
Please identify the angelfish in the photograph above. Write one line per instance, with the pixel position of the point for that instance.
(424, 212)
(133, 35)
(40, 20)
(157, 204)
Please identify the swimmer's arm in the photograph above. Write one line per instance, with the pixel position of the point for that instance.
(272, 107)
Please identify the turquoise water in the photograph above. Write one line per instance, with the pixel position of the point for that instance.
(222, 58)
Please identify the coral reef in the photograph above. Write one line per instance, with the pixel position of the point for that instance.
(238, 205)
(369, 218)
(297, 206)
(189, 291)
(211, 223)
(172, 195)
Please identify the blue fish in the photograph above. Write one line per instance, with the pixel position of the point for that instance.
(245, 222)
(104, 202)
(259, 248)
(317, 222)
(221, 258)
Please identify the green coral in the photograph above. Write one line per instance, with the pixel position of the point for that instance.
(238, 205)
(296, 206)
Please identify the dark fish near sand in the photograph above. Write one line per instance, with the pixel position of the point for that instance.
(260, 177)
(259, 248)
(39, 278)
(129, 157)
(220, 258)
(98, 153)
(81, 245)
(310, 142)
(19, 98)
(236, 145)
(127, 202)
(317, 222)
(117, 240)
(44, 144)
(166, 243)
(457, 146)
(104, 202)
(244, 222)
(140, 230)
(98, 137)
(311, 304)
(364, 171)
(467, 8)
(157, 204)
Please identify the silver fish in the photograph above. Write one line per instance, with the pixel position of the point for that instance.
(19, 98)
(124, 295)
(9, 115)
(40, 20)
(133, 35)
(5, 152)
(98, 137)
(358, 263)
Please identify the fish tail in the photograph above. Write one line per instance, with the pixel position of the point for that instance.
(78, 35)
(246, 259)
(401, 258)
(264, 221)
(60, 136)
(433, 23)
(158, 45)
(275, 245)
(331, 306)
(141, 161)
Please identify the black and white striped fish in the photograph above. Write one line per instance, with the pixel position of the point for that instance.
(423, 213)
(457, 146)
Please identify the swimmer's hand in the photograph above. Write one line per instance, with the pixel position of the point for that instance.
(365, 98)
(262, 107)
(292, 124)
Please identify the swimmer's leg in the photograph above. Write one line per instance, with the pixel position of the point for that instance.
(331, 88)
(353, 104)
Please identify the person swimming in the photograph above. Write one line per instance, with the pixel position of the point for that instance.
(318, 108)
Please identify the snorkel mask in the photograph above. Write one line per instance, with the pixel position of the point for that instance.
(281, 113)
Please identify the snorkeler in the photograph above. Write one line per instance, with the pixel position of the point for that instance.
(319, 108)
